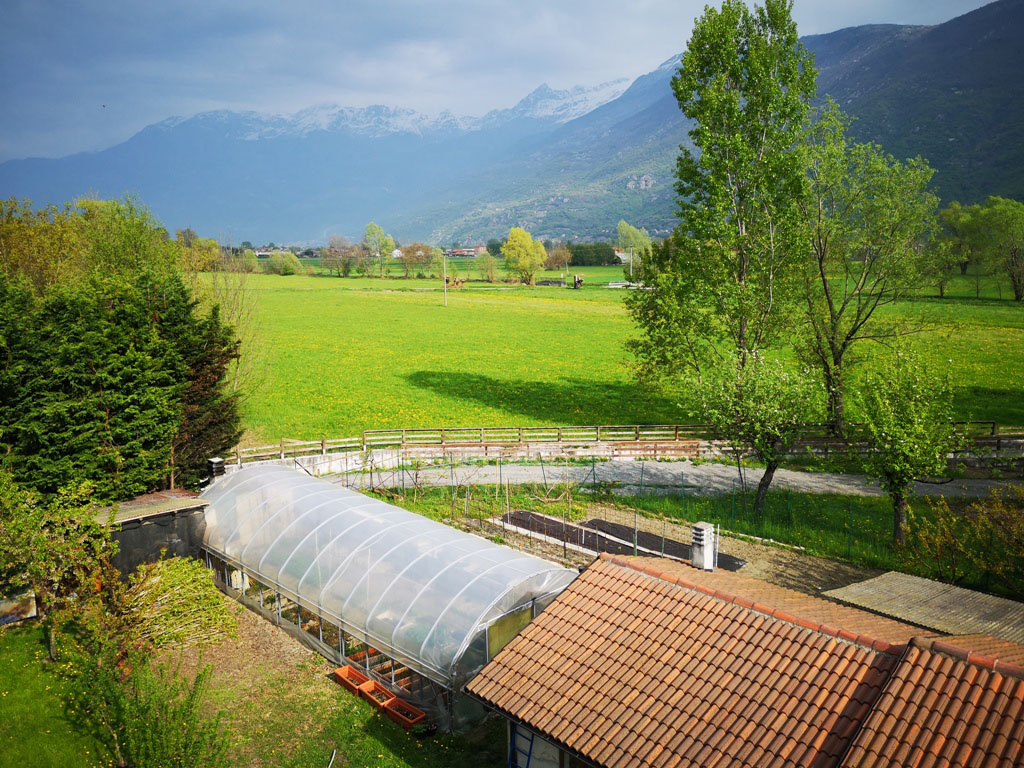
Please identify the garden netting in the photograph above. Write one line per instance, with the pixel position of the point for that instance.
(419, 589)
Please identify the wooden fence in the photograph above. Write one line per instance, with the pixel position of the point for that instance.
(983, 434)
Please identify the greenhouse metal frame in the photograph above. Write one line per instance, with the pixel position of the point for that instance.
(418, 605)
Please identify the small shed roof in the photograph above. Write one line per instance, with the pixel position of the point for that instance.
(417, 589)
(941, 607)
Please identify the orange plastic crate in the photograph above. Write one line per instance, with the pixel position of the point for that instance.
(375, 693)
(350, 677)
(403, 713)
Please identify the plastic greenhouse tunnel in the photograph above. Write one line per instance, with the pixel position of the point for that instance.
(417, 605)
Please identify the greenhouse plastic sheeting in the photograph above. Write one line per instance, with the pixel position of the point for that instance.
(422, 589)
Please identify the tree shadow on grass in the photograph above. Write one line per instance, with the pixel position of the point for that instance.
(1004, 406)
(569, 401)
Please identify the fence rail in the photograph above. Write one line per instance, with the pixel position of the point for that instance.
(984, 434)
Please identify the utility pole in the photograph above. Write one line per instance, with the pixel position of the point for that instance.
(444, 263)
(631, 264)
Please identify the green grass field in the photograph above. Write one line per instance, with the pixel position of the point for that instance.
(345, 355)
(295, 717)
(35, 728)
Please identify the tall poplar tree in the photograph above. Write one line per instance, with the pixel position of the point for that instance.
(722, 289)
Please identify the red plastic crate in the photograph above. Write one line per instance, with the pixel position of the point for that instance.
(350, 677)
(403, 713)
(375, 693)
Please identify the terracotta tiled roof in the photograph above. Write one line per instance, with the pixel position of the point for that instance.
(817, 609)
(988, 647)
(630, 668)
(939, 709)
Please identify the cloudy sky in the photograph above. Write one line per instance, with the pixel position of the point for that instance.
(77, 76)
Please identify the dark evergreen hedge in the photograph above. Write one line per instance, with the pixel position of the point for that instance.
(110, 372)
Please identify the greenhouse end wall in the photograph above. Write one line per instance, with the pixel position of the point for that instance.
(420, 606)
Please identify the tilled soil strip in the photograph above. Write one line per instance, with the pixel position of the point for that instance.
(603, 536)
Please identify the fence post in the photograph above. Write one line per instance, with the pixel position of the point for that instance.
(282, 447)
(734, 506)
(565, 520)
(323, 445)
(849, 527)
(635, 532)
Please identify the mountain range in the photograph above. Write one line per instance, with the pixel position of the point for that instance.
(561, 163)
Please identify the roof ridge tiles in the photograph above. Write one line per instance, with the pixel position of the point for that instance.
(939, 646)
(865, 641)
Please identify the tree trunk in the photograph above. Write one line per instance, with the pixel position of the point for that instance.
(835, 408)
(762, 487)
(899, 520)
(51, 636)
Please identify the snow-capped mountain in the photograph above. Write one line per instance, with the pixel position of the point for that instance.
(561, 163)
(543, 104)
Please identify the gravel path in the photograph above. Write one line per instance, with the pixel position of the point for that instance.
(665, 477)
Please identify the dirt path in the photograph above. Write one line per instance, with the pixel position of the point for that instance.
(666, 477)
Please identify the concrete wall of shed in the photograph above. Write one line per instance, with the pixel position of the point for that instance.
(140, 541)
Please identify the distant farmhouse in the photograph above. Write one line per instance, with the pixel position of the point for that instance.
(465, 253)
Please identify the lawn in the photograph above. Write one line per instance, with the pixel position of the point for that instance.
(34, 729)
(345, 355)
(348, 355)
(280, 703)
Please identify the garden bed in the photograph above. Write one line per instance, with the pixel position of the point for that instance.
(599, 536)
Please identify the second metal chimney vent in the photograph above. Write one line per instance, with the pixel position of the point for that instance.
(704, 546)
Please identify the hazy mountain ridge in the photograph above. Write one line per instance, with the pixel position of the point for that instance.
(562, 163)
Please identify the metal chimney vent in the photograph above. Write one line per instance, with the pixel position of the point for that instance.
(704, 546)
